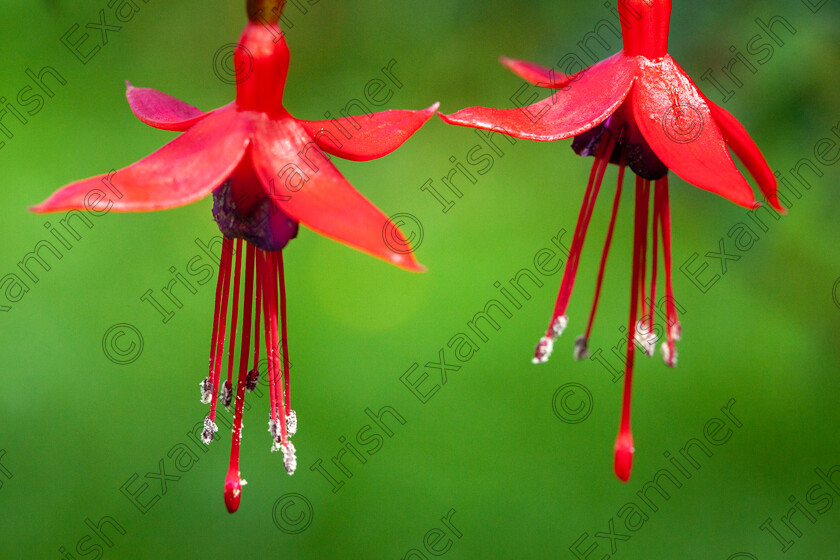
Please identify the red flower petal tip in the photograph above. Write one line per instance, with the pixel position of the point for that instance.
(623, 462)
(407, 262)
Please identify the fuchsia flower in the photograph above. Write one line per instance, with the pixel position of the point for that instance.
(268, 173)
(637, 108)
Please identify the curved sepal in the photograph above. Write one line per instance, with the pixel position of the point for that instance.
(161, 110)
(367, 137)
(583, 104)
(745, 148)
(538, 75)
(181, 172)
(308, 187)
(676, 121)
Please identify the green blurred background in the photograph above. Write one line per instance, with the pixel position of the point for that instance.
(488, 449)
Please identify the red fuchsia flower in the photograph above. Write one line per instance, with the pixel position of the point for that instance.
(635, 109)
(268, 173)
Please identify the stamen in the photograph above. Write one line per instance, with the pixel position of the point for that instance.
(593, 188)
(672, 328)
(261, 280)
(284, 337)
(657, 216)
(279, 388)
(254, 374)
(645, 214)
(220, 282)
(227, 393)
(581, 345)
(220, 319)
(558, 319)
(269, 291)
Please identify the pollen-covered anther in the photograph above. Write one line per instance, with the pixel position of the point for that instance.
(581, 351)
(272, 429)
(667, 357)
(291, 423)
(252, 379)
(206, 387)
(544, 349)
(676, 331)
(289, 458)
(210, 429)
(226, 394)
(646, 338)
(559, 325)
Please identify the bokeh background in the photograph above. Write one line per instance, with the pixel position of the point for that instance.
(491, 448)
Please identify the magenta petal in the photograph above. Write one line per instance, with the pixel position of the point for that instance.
(583, 104)
(675, 120)
(536, 74)
(299, 178)
(370, 136)
(181, 172)
(160, 110)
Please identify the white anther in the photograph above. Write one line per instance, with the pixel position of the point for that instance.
(289, 458)
(559, 325)
(646, 338)
(210, 429)
(676, 331)
(544, 349)
(226, 395)
(581, 351)
(206, 387)
(666, 354)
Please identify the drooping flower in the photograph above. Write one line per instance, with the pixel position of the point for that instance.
(268, 173)
(635, 109)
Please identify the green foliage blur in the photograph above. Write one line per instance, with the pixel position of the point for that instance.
(488, 452)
